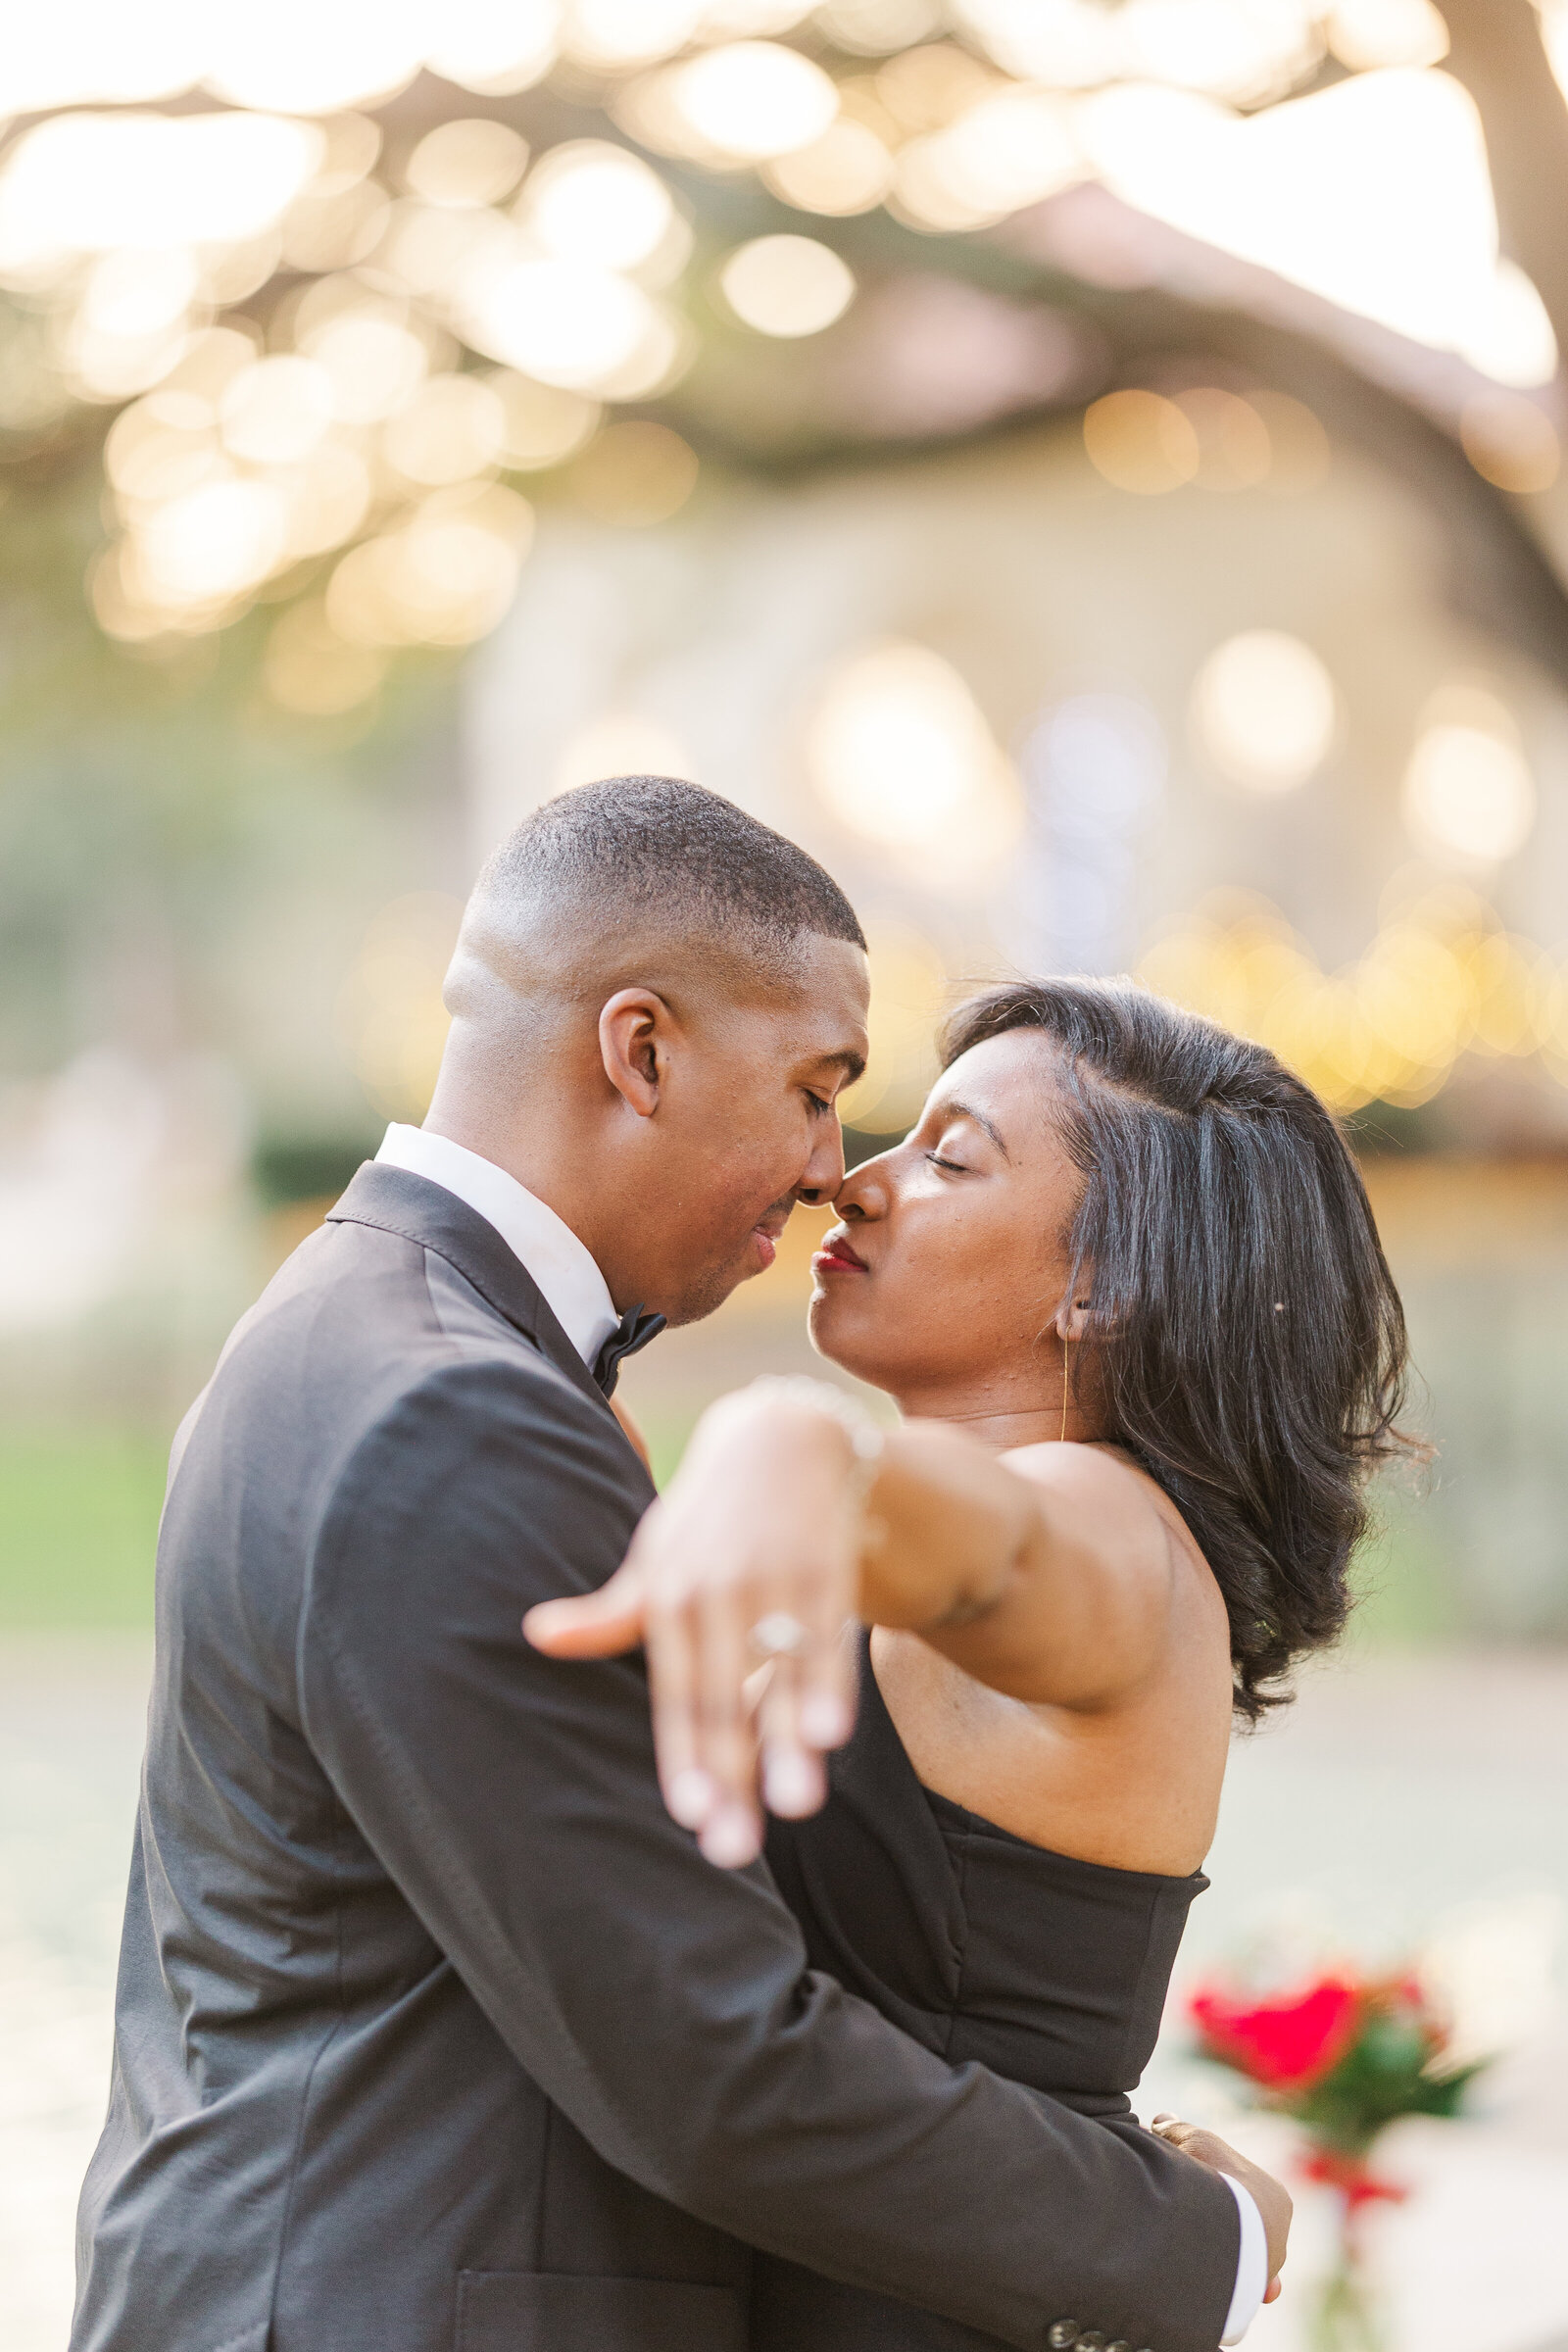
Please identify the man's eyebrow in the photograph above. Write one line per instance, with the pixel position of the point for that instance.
(966, 1110)
(853, 1064)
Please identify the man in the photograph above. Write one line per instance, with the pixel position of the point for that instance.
(433, 2030)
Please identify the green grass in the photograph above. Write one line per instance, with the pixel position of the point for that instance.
(78, 1526)
(1402, 1579)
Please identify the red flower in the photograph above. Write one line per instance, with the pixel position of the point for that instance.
(1352, 2177)
(1284, 2044)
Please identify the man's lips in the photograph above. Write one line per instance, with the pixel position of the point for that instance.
(836, 1256)
(766, 1233)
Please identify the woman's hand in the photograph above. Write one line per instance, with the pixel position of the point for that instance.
(739, 1583)
(1271, 2197)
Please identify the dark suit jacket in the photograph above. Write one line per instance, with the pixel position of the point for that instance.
(434, 2033)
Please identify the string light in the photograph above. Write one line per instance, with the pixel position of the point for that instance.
(787, 286)
(1263, 709)
(1441, 978)
(899, 751)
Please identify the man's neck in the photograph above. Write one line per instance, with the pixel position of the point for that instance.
(538, 1168)
(551, 1162)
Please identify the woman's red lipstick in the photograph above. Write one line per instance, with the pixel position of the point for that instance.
(837, 1257)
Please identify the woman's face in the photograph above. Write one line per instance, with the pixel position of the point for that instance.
(946, 1274)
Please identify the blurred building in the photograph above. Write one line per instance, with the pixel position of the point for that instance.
(1092, 474)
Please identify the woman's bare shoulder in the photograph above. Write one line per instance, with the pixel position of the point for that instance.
(1126, 1501)
(1140, 1536)
(1125, 1510)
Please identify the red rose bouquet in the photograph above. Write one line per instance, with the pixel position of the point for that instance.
(1343, 2057)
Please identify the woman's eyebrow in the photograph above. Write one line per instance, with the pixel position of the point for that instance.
(966, 1110)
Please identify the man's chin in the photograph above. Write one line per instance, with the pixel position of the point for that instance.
(708, 1289)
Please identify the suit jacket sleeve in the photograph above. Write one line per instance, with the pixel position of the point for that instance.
(666, 2006)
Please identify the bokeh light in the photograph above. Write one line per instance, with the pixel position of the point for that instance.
(753, 100)
(909, 996)
(1299, 455)
(615, 33)
(389, 1010)
(848, 170)
(444, 577)
(301, 59)
(96, 183)
(899, 753)
(472, 161)
(873, 28)
(587, 201)
(213, 542)
(496, 47)
(437, 251)
(1301, 189)
(1510, 441)
(635, 474)
(576, 327)
(1469, 796)
(1440, 978)
(787, 286)
(159, 446)
(337, 220)
(276, 410)
(310, 670)
(1263, 709)
(1234, 448)
(453, 429)
(1364, 34)
(932, 84)
(1005, 151)
(329, 495)
(1141, 441)
(541, 424)
(1221, 47)
(621, 743)
(372, 362)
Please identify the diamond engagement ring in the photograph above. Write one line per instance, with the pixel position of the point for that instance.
(777, 1636)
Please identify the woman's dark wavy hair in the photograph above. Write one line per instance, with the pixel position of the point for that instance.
(1245, 1341)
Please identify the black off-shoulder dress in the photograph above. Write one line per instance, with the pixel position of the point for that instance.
(1049, 1970)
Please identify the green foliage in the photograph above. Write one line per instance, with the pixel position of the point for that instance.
(78, 1526)
(1383, 2074)
(285, 1168)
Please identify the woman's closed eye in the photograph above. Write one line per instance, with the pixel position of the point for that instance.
(955, 1167)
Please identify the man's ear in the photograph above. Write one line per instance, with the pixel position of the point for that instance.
(634, 1031)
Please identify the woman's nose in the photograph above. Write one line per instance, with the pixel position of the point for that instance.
(864, 1190)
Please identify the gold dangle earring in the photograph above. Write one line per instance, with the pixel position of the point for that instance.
(1062, 1440)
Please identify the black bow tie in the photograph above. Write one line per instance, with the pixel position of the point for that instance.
(633, 1331)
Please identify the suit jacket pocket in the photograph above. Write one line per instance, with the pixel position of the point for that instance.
(546, 2311)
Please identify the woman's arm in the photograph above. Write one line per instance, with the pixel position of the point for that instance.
(1047, 1576)
(1046, 1573)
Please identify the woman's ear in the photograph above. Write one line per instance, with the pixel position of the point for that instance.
(1071, 1320)
(634, 1028)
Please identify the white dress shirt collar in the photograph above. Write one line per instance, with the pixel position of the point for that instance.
(574, 1288)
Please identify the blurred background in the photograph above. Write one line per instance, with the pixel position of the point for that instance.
(1092, 473)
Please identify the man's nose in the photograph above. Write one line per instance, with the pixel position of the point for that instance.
(824, 1171)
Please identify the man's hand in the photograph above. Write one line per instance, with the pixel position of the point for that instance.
(1271, 2197)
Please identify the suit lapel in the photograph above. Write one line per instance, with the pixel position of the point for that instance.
(395, 1200)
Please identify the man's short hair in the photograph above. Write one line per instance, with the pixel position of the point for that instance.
(679, 853)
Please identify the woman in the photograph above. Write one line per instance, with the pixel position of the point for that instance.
(1123, 1283)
